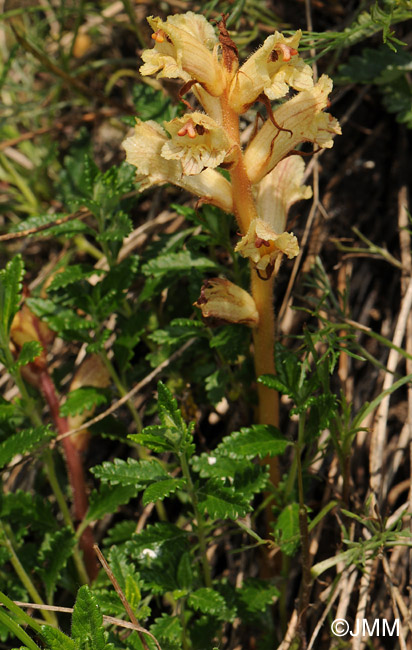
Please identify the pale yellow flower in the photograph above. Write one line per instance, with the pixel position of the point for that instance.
(197, 141)
(144, 151)
(272, 69)
(225, 302)
(265, 248)
(185, 47)
(279, 190)
(304, 121)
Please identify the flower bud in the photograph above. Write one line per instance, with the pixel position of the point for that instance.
(225, 302)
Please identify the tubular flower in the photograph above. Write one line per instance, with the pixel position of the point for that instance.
(301, 120)
(186, 48)
(272, 69)
(264, 247)
(144, 151)
(279, 190)
(225, 302)
(197, 141)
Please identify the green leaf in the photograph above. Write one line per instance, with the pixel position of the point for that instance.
(53, 555)
(125, 573)
(28, 353)
(131, 472)
(87, 622)
(184, 571)
(176, 263)
(31, 510)
(117, 229)
(71, 275)
(168, 631)
(155, 537)
(221, 502)
(10, 289)
(287, 529)
(24, 441)
(109, 499)
(216, 465)
(56, 640)
(62, 320)
(169, 413)
(162, 489)
(209, 601)
(258, 440)
(255, 596)
(82, 399)
(378, 66)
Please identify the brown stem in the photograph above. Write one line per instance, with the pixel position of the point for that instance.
(75, 473)
(262, 290)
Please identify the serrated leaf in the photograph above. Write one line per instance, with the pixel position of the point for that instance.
(258, 440)
(256, 595)
(10, 289)
(161, 489)
(209, 601)
(221, 502)
(167, 628)
(131, 472)
(82, 399)
(87, 622)
(24, 441)
(108, 499)
(118, 228)
(287, 529)
(28, 353)
(251, 480)
(154, 438)
(71, 275)
(176, 263)
(125, 574)
(155, 536)
(56, 640)
(169, 413)
(31, 510)
(214, 465)
(184, 571)
(53, 555)
(60, 319)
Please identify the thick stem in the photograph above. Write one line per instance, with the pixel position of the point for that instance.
(262, 290)
(243, 203)
(75, 473)
(264, 343)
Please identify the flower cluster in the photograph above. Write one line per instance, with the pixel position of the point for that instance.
(266, 177)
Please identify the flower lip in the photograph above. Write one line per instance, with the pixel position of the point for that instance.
(197, 141)
(264, 247)
(186, 48)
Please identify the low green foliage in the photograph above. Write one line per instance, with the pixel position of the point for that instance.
(176, 480)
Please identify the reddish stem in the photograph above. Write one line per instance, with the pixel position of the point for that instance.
(75, 473)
